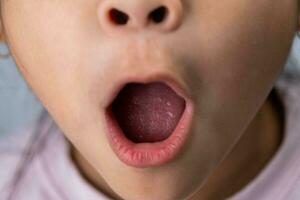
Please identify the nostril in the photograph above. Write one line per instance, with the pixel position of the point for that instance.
(158, 14)
(118, 17)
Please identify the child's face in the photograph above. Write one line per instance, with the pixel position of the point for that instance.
(227, 55)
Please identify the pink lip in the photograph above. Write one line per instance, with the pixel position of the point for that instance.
(143, 155)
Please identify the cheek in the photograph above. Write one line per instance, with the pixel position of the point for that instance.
(248, 45)
(51, 50)
(239, 57)
(250, 56)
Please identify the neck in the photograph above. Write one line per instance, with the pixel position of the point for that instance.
(91, 175)
(254, 150)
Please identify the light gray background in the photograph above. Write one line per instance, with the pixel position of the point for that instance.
(19, 107)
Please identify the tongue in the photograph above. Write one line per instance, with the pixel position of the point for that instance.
(147, 112)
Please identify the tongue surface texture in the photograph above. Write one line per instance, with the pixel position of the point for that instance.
(147, 112)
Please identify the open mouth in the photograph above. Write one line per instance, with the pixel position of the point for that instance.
(147, 112)
(148, 123)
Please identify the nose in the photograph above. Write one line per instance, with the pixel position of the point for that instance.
(117, 16)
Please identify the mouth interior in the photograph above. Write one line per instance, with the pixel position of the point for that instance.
(147, 112)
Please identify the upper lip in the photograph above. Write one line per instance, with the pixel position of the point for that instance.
(177, 85)
(138, 63)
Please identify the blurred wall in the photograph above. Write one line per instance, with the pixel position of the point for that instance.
(18, 106)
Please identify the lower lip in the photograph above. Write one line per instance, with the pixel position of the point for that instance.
(156, 154)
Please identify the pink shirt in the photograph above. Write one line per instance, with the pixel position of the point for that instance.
(46, 171)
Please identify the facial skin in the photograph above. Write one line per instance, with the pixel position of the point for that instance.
(227, 53)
